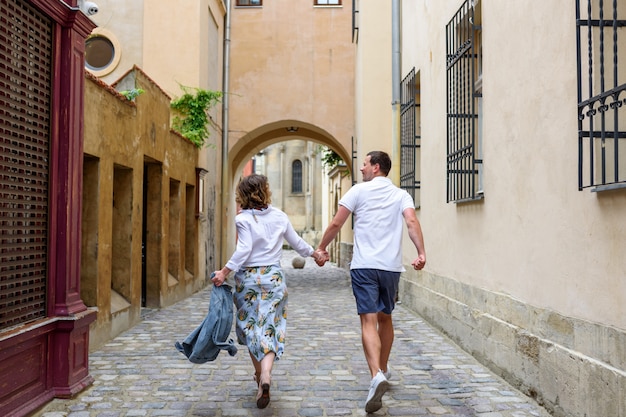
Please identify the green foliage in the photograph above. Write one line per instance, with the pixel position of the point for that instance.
(330, 158)
(191, 119)
(132, 94)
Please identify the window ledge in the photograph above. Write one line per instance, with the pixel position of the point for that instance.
(479, 197)
(609, 187)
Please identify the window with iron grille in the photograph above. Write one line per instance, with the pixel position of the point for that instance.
(296, 176)
(25, 89)
(249, 2)
(327, 2)
(600, 38)
(464, 97)
(409, 138)
(355, 22)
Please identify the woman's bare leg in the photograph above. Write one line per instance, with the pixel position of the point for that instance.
(263, 396)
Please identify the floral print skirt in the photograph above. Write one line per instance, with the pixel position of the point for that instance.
(261, 302)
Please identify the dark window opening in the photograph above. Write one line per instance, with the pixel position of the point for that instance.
(296, 176)
(99, 53)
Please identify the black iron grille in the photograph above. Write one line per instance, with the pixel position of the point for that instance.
(25, 79)
(600, 36)
(462, 118)
(409, 140)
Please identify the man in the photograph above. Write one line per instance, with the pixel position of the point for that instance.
(379, 208)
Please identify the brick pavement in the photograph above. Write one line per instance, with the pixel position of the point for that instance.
(322, 373)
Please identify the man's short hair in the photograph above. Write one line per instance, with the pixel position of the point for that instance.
(382, 159)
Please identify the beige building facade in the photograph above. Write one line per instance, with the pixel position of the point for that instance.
(140, 210)
(524, 223)
(161, 247)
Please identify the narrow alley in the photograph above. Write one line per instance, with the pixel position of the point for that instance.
(322, 373)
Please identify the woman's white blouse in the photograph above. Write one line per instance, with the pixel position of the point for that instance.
(260, 236)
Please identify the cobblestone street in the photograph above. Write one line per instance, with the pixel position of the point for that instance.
(322, 373)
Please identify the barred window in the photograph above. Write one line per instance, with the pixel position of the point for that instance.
(296, 176)
(355, 22)
(600, 36)
(464, 101)
(249, 2)
(327, 2)
(409, 136)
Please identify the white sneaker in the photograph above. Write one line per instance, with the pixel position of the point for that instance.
(378, 387)
(388, 373)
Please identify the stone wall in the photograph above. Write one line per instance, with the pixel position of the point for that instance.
(564, 363)
(140, 202)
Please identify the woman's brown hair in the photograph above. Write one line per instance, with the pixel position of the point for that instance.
(253, 192)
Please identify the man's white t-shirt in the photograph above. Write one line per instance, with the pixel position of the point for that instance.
(377, 206)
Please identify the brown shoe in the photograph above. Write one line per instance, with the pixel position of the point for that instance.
(263, 396)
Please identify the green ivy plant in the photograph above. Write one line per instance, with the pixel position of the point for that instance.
(191, 119)
(132, 94)
(330, 158)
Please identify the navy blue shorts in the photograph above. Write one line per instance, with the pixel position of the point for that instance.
(374, 290)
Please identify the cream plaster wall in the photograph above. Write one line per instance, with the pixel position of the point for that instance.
(179, 49)
(373, 110)
(291, 64)
(530, 279)
(535, 236)
(122, 21)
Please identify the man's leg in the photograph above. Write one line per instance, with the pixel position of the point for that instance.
(386, 335)
(372, 347)
(371, 341)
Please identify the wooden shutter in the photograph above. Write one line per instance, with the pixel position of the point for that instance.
(25, 85)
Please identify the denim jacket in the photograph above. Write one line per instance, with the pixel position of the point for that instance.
(205, 342)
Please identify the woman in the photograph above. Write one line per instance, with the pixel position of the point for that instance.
(260, 289)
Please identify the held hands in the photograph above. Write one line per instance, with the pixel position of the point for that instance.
(321, 257)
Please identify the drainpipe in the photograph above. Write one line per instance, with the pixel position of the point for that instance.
(395, 90)
(225, 194)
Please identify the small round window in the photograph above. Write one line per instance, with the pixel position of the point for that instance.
(99, 53)
(102, 52)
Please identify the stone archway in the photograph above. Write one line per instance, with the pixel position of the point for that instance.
(255, 141)
(279, 131)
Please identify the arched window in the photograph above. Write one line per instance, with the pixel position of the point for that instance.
(296, 176)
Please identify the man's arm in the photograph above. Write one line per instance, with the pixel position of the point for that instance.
(415, 233)
(331, 231)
